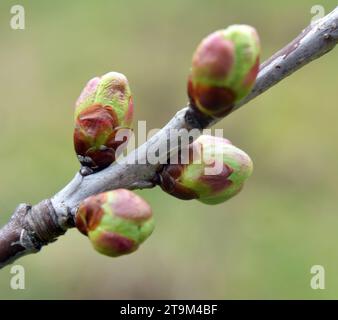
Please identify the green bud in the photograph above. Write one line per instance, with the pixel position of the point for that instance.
(104, 106)
(224, 69)
(214, 171)
(116, 222)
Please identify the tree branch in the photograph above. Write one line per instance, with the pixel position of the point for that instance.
(30, 228)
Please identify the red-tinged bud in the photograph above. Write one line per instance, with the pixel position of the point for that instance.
(214, 171)
(116, 222)
(224, 69)
(104, 107)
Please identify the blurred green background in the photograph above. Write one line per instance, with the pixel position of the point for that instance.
(262, 243)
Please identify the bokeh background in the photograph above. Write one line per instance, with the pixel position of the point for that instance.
(259, 245)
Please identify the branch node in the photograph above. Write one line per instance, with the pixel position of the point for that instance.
(86, 171)
(43, 225)
(197, 120)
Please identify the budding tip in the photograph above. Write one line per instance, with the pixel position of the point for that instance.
(131, 206)
(224, 69)
(116, 222)
(215, 172)
(213, 58)
(104, 106)
(88, 91)
(115, 78)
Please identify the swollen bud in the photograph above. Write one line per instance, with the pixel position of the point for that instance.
(224, 69)
(104, 106)
(116, 222)
(214, 171)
